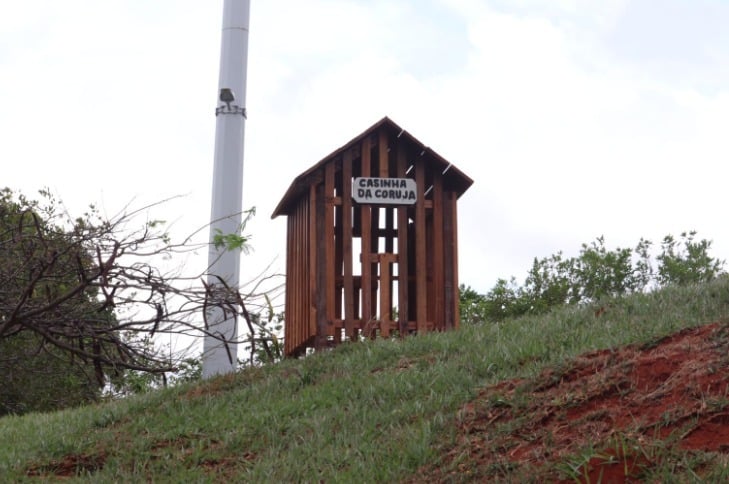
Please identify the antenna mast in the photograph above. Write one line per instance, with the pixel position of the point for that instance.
(220, 351)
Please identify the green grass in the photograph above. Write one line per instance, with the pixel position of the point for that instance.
(365, 412)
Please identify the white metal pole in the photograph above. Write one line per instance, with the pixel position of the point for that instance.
(221, 356)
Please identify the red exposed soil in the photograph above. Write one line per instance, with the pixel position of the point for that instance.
(607, 416)
(69, 466)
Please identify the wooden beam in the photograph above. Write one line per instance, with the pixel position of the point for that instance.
(356, 220)
(386, 261)
(300, 318)
(349, 295)
(383, 151)
(438, 283)
(330, 252)
(389, 231)
(314, 258)
(301, 290)
(375, 229)
(338, 268)
(306, 274)
(420, 249)
(402, 248)
(293, 288)
(454, 278)
(290, 323)
(365, 222)
(384, 159)
(450, 237)
(429, 257)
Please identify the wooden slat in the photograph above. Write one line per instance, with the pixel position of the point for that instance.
(290, 322)
(383, 155)
(347, 245)
(430, 294)
(402, 249)
(384, 297)
(312, 273)
(381, 170)
(303, 297)
(450, 235)
(374, 236)
(338, 267)
(374, 249)
(389, 232)
(438, 284)
(386, 260)
(454, 291)
(366, 235)
(384, 159)
(338, 255)
(389, 244)
(357, 217)
(300, 320)
(330, 253)
(297, 321)
(321, 271)
(420, 249)
(306, 267)
(303, 268)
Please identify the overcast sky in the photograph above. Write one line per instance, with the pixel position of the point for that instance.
(575, 118)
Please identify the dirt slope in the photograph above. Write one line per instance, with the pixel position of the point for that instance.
(608, 416)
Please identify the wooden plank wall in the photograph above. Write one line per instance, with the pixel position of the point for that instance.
(298, 298)
(325, 301)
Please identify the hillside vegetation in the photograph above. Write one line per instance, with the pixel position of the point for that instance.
(377, 411)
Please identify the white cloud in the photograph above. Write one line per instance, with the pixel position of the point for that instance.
(566, 136)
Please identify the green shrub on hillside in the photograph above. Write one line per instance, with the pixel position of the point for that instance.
(595, 274)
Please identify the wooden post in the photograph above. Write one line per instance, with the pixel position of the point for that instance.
(429, 257)
(349, 295)
(292, 322)
(383, 155)
(385, 294)
(438, 283)
(450, 235)
(402, 250)
(366, 241)
(321, 271)
(420, 253)
(384, 158)
(307, 272)
(330, 287)
(338, 319)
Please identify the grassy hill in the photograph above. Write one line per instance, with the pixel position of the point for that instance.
(381, 411)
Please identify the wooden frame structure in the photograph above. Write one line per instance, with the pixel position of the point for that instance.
(362, 270)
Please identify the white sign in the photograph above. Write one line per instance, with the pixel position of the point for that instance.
(393, 191)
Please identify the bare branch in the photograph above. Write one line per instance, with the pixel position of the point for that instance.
(85, 285)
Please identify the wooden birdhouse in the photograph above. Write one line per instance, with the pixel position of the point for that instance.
(372, 246)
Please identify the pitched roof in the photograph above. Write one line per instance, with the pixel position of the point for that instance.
(456, 178)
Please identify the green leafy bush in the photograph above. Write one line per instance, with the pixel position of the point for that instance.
(596, 273)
